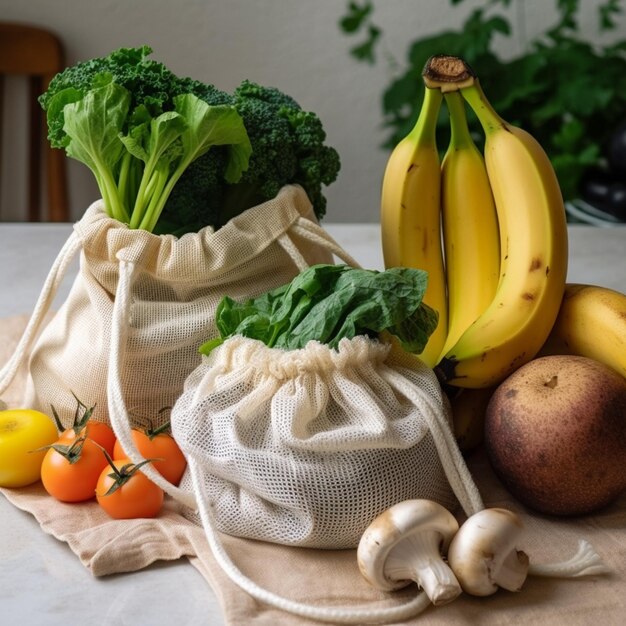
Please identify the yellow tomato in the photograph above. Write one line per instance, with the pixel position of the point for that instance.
(22, 431)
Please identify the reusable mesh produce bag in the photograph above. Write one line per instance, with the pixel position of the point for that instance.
(305, 447)
(128, 333)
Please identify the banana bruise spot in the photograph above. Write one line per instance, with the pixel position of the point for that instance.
(535, 264)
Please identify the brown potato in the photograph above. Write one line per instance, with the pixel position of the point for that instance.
(555, 434)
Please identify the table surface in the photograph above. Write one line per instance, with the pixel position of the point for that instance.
(41, 581)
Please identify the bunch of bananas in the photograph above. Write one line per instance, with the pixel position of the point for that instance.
(489, 228)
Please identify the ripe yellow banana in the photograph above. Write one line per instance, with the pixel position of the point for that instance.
(533, 257)
(591, 323)
(410, 213)
(470, 227)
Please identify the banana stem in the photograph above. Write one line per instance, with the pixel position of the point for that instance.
(426, 125)
(486, 114)
(459, 131)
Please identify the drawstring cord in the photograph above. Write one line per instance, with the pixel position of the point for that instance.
(334, 615)
(46, 297)
(118, 414)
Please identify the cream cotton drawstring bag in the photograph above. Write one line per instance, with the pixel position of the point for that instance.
(302, 447)
(305, 447)
(171, 286)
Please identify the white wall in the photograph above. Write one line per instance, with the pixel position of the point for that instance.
(295, 45)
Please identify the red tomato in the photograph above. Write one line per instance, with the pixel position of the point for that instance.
(137, 496)
(163, 446)
(99, 432)
(73, 481)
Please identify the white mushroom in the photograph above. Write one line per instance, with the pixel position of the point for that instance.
(484, 556)
(405, 543)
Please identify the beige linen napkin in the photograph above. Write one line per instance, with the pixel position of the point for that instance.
(331, 578)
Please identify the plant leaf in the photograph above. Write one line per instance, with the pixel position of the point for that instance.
(328, 303)
(209, 126)
(356, 16)
(93, 125)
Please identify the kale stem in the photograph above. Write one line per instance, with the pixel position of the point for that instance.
(154, 212)
(110, 194)
(157, 202)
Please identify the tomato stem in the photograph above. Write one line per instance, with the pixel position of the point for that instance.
(124, 473)
(155, 432)
(79, 422)
(71, 452)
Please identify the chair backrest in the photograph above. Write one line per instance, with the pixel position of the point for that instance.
(38, 55)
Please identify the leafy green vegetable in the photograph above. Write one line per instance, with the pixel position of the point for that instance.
(155, 151)
(284, 144)
(93, 125)
(327, 303)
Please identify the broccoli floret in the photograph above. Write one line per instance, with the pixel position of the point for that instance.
(287, 145)
(287, 148)
(318, 164)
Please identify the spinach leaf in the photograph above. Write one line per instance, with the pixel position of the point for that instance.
(327, 303)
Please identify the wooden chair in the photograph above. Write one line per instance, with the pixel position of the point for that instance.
(37, 55)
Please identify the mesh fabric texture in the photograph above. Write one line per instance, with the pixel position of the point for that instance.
(306, 447)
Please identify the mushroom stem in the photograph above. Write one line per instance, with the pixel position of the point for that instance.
(512, 571)
(420, 560)
(483, 555)
(406, 543)
(586, 562)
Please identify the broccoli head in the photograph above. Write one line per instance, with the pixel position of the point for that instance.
(287, 148)
(287, 145)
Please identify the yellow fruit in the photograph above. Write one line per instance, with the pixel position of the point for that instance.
(533, 261)
(410, 214)
(22, 433)
(592, 323)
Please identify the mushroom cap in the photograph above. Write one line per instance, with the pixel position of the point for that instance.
(484, 542)
(393, 526)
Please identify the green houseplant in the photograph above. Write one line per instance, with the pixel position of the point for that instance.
(567, 91)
